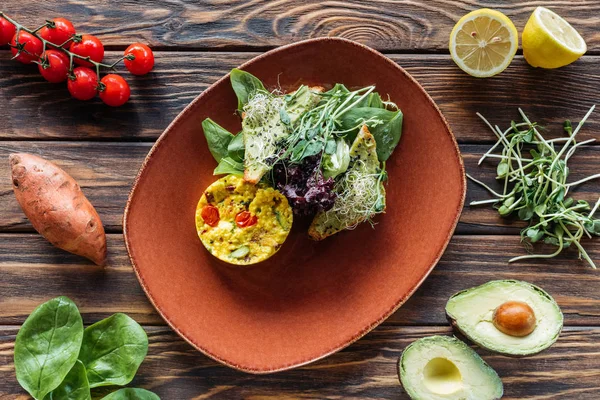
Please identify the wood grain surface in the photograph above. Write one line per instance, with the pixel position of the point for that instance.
(404, 25)
(366, 370)
(198, 42)
(179, 77)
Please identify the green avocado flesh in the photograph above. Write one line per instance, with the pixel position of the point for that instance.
(444, 368)
(264, 131)
(471, 312)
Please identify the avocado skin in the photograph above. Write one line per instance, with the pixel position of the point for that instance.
(455, 325)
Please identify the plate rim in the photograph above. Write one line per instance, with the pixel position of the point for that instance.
(362, 332)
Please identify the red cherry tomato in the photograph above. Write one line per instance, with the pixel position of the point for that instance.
(63, 30)
(54, 66)
(7, 31)
(83, 85)
(210, 215)
(244, 219)
(33, 46)
(89, 46)
(143, 61)
(114, 90)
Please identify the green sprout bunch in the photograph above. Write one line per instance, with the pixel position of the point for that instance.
(534, 172)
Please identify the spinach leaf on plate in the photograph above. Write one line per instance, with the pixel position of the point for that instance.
(229, 166)
(338, 87)
(236, 148)
(112, 350)
(217, 137)
(244, 84)
(132, 394)
(384, 125)
(75, 386)
(47, 346)
(373, 100)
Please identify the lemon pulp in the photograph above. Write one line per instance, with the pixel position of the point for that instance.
(483, 42)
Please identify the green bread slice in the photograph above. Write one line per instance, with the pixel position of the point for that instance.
(364, 164)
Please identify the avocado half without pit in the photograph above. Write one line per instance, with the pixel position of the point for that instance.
(444, 368)
(507, 316)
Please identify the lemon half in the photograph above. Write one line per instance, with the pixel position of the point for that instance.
(549, 41)
(484, 42)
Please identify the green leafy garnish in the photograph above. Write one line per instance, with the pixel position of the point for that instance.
(244, 84)
(384, 125)
(218, 138)
(534, 173)
(227, 149)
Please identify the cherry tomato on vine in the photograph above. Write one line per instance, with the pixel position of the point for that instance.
(114, 90)
(30, 43)
(54, 66)
(63, 30)
(143, 61)
(210, 215)
(83, 85)
(7, 31)
(89, 46)
(244, 219)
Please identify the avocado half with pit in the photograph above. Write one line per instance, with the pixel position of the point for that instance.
(444, 368)
(506, 316)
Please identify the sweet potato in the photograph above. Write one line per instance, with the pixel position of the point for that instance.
(57, 208)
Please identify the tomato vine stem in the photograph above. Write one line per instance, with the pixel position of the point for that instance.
(21, 48)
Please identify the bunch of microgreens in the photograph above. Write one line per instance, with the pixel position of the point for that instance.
(534, 173)
(318, 128)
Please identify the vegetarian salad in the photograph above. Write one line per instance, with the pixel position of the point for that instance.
(323, 150)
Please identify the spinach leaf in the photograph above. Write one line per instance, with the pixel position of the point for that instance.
(112, 350)
(384, 125)
(306, 148)
(47, 346)
(74, 387)
(236, 148)
(244, 84)
(132, 394)
(338, 88)
(373, 100)
(218, 138)
(229, 166)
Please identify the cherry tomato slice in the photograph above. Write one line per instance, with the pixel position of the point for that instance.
(89, 46)
(54, 66)
(63, 30)
(210, 215)
(7, 31)
(143, 61)
(33, 46)
(244, 219)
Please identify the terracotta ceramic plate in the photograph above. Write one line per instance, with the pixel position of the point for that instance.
(312, 298)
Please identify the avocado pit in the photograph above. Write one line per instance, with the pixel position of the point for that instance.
(514, 318)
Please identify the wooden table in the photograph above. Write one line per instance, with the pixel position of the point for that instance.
(197, 43)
